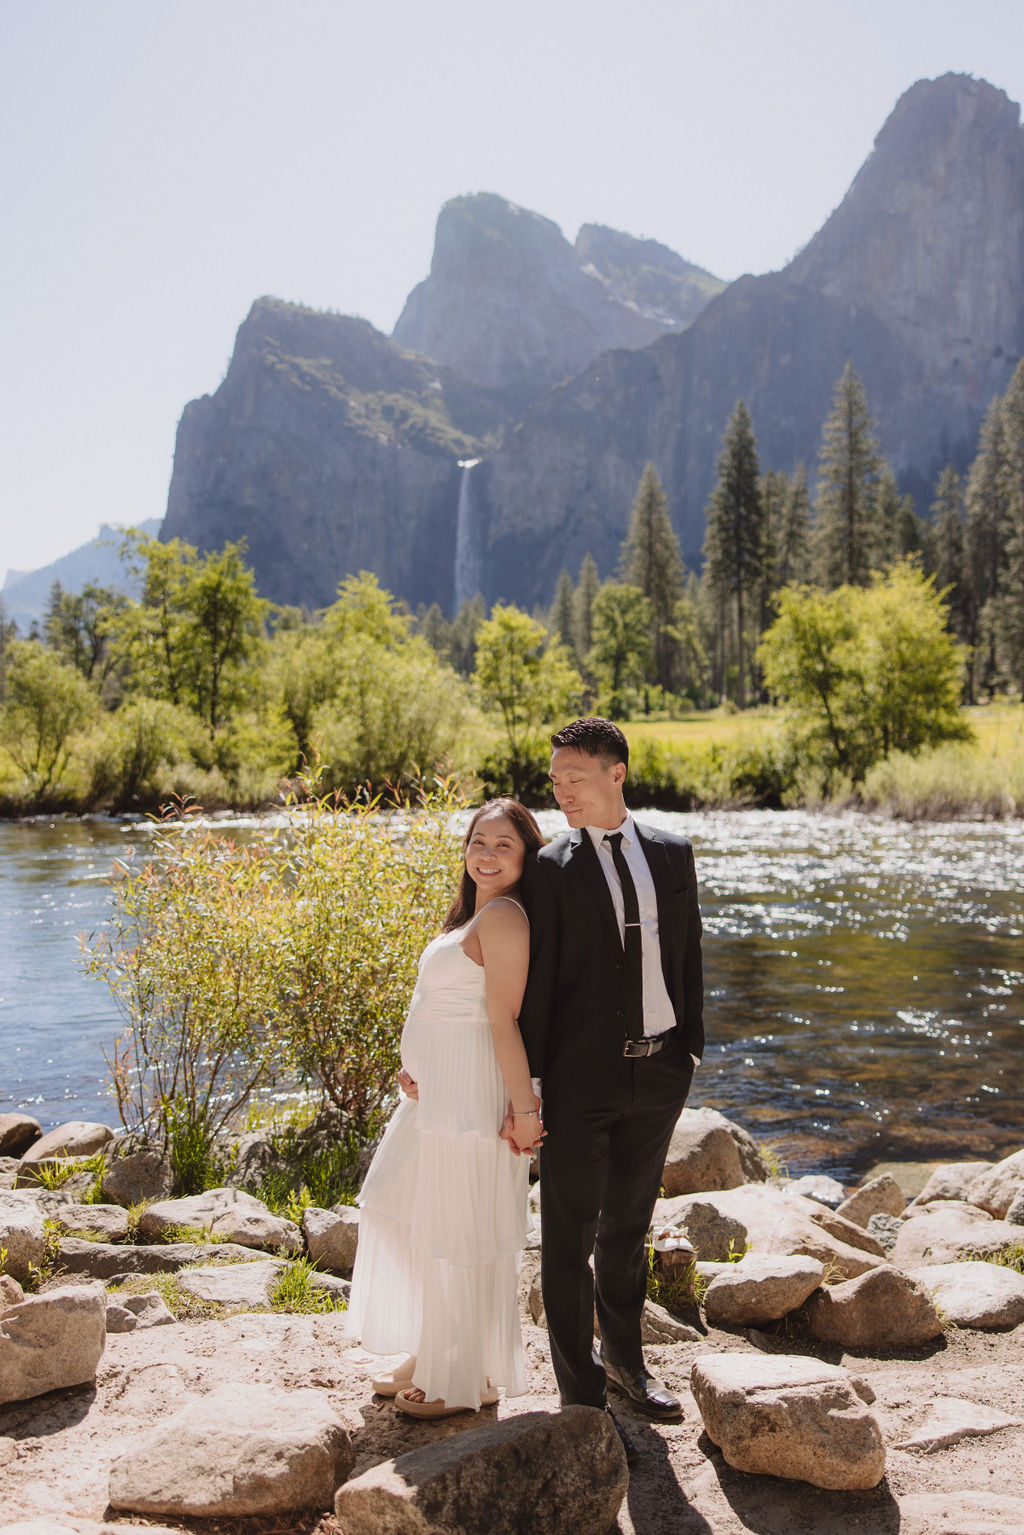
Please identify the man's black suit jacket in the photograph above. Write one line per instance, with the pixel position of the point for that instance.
(572, 1017)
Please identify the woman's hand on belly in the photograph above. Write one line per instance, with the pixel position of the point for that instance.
(409, 1086)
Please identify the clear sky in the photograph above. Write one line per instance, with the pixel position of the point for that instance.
(168, 161)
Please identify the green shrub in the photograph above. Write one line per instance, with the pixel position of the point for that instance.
(134, 751)
(758, 773)
(946, 782)
(364, 892)
(521, 773)
(304, 1176)
(663, 778)
(289, 959)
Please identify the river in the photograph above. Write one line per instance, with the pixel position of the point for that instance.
(864, 979)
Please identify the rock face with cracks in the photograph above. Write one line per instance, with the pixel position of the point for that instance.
(883, 1308)
(22, 1233)
(708, 1151)
(52, 1341)
(760, 1288)
(475, 1481)
(232, 1454)
(790, 1417)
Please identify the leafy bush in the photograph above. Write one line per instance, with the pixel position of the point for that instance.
(189, 957)
(47, 704)
(289, 958)
(865, 672)
(947, 781)
(758, 773)
(663, 778)
(302, 1175)
(521, 772)
(135, 749)
(365, 892)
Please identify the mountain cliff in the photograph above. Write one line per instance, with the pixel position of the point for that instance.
(333, 448)
(917, 278)
(330, 450)
(512, 306)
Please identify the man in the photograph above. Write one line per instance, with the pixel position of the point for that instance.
(612, 1022)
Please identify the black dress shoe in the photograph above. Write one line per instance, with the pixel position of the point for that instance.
(651, 1397)
(632, 1453)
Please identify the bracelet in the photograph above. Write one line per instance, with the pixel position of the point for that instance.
(525, 1113)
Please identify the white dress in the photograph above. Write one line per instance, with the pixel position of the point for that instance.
(443, 1205)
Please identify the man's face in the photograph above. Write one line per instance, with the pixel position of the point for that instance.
(588, 790)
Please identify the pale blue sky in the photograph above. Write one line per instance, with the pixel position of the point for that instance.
(168, 161)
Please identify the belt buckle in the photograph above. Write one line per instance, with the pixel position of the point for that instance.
(635, 1049)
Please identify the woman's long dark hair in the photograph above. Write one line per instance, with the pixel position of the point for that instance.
(464, 905)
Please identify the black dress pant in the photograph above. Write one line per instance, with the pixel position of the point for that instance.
(601, 1169)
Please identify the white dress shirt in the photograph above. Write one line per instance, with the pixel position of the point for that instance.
(659, 1013)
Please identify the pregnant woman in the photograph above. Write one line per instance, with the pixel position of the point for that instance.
(443, 1206)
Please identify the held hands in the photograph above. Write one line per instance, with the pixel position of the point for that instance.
(523, 1132)
(408, 1084)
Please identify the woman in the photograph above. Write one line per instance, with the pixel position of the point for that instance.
(444, 1202)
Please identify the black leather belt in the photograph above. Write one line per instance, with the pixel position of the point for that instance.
(649, 1046)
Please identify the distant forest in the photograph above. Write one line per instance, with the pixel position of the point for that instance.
(201, 687)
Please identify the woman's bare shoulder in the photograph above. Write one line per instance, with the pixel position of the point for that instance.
(503, 913)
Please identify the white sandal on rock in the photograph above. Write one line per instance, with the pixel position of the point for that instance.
(438, 1408)
(397, 1379)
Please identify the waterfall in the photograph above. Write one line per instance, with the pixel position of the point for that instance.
(468, 553)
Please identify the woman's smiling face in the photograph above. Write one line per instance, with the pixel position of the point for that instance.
(494, 855)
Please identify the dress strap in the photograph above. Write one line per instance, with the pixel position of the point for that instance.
(479, 914)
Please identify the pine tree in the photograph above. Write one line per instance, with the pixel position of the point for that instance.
(462, 640)
(562, 618)
(845, 530)
(950, 550)
(898, 531)
(792, 535)
(735, 542)
(1008, 614)
(987, 520)
(587, 588)
(651, 561)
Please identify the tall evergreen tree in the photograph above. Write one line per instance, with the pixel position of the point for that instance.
(949, 550)
(587, 587)
(651, 561)
(898, 531)
(791, 535)
(845, 529)
(735, 542)
(462, 639)
(987, 519)
(1008, 614)
(562, 618)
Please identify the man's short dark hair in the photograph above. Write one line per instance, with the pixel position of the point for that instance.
(596, 737)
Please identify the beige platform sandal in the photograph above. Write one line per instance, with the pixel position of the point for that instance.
(397, 1379)
(406, 1402)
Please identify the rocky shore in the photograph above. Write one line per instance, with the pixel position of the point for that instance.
(849, 1362)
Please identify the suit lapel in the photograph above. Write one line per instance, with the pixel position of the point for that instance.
(656, 854)
(586, 869)
(657, 861)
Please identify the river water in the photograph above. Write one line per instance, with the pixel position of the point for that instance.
(864, 979)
